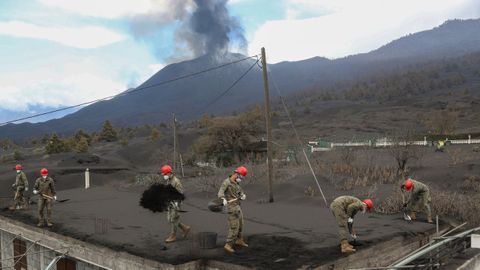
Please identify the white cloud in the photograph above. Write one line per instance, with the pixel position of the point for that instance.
(351, 26)
(77, 80)
(58, 92)
(86, 37)
(109, 8)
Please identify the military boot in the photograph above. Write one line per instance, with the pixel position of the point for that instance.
(185, 229)
(228, 247)
(172, 238)
(40, 223)
(413, 216)
(49, 224)
(346, 247)
(241, 242)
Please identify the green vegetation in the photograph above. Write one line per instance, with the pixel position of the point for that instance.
(108, 133)
(227, 137)
(56, 145)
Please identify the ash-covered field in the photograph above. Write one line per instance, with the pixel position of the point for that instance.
(296, 230)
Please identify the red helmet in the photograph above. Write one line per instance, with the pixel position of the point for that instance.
(18, 167)
(408, 184)
(44, 172)
(166, 169)
(369, 203)
(242, 171)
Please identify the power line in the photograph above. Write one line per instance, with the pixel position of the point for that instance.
(297, 135)
(229, 88)
(131, 91)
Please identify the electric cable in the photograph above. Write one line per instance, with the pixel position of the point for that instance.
(130, 92)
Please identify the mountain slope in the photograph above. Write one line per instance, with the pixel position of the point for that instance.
(191, 97)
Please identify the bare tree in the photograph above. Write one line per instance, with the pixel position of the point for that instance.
(347, 155)
(404, 151)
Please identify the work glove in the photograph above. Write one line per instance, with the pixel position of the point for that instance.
(354, 236)
(243, 197)
(35, 191)
(224, 201)
(13, 185)
(26, 188)
(350, 220)
(55, 198)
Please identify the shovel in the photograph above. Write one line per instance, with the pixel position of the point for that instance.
(353, 235)
(405, 215)
(216, 205)
(51, 198)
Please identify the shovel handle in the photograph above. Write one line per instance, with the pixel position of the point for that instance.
(47, 197)
(232, 200)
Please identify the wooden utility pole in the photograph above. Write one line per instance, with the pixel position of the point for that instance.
(174, 142)
(268, 125)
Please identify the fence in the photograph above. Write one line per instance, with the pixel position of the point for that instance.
(318, 146)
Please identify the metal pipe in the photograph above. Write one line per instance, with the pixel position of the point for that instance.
(397, 267)
(454, 229)
(54, 261)
(422, 252)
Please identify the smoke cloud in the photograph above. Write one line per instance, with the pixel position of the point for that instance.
(204, 27)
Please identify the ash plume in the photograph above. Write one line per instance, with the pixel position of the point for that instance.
(211, 28)
(204, 27)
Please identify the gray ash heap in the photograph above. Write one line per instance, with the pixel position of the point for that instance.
(158, 197)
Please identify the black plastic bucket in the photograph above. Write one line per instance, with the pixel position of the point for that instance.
(207, 240)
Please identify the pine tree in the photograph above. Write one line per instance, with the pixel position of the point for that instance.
(82, 134)
(108, 133)
(82, 145)
(56, 145)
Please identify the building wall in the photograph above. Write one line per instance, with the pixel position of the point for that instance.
(38, 257)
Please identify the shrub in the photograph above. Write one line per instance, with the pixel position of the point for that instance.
(155, 134)
(471, 183)
(108, 133)
(82, 145)
(17, 155)
(56, 145)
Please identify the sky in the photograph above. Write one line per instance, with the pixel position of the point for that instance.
(55, 53)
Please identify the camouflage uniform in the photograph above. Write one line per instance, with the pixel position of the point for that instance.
(232, 190)
(45, 187)
(173, 216)
(420, 198)
(345, 207)
(21, 183)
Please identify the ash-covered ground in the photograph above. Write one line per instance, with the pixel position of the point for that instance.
(296, 230)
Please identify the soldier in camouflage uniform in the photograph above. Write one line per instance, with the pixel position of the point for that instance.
(173, 216)
(20, 185)
(344, 209)
(231, 194)
(420, 198)
(45, 188)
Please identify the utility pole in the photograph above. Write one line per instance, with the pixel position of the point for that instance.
(174, 142)
(268, 125)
